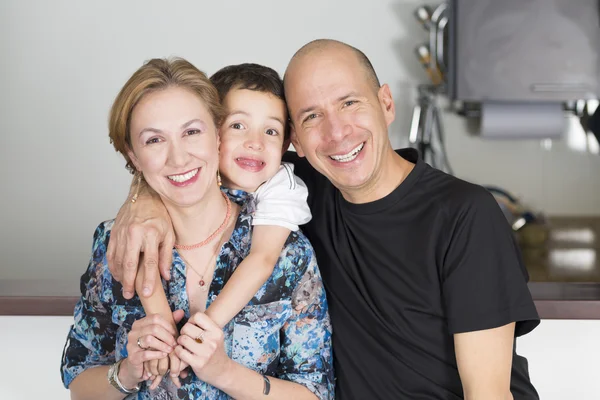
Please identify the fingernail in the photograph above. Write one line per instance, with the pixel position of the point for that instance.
(128, 294)
(146, 291)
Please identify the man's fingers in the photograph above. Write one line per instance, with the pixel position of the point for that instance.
(110, 257)
(130, 261)
(150, 263)
(165, 255)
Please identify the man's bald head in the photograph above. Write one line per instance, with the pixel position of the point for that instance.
(323, 46)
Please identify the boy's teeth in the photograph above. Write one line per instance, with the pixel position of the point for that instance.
(350, 156)
(183, 177)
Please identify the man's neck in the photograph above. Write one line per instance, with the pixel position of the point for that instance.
(392, 172)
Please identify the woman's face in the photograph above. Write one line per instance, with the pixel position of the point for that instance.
(174, 144)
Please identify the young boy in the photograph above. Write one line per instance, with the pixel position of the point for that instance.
(254, 136)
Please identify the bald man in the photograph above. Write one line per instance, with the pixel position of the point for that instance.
(426, 288)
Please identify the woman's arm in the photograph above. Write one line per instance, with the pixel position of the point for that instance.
(201, 346)
(305, 366)
(91, 342)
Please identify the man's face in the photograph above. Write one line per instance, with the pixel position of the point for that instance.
(340, 119)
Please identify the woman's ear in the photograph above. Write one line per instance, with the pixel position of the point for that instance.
(133, 159)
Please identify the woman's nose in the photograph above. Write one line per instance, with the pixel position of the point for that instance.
(178, 155)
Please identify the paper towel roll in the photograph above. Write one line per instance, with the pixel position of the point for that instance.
(504, 120)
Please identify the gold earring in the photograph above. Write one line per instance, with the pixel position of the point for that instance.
(219, 182)
(138, 182)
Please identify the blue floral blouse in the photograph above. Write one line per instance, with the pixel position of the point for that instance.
(283, 332)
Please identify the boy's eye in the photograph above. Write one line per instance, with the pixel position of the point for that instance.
(271, 132)
(237, 125)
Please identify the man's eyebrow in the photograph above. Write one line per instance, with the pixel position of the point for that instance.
(305, 110)
(347, 96)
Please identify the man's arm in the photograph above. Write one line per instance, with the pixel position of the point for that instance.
(484, 360)
(143, 226)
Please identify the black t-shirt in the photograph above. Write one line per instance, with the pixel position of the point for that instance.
(404, 273)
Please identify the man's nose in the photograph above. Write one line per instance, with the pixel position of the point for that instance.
(336, 127)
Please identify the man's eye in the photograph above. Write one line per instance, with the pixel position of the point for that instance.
(311, 116)
(271, 132)
(237, 125)
(349, 103)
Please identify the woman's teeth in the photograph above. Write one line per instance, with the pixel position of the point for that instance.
(350, 156)
(183, 177)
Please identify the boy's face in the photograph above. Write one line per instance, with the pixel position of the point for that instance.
(252, 138)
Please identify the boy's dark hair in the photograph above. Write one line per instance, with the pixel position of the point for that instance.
(252, 77)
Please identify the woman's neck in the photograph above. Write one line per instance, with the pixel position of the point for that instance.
(195, 223)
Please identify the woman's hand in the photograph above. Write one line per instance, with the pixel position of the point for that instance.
(201, 346)
(150, 338)
(143, 226)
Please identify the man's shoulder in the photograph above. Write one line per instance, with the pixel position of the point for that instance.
(454, 194)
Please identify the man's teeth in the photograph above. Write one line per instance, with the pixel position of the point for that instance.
(183, 177)
(350, 156)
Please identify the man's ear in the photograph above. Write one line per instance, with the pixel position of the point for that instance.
(295, 141)
(387, 103)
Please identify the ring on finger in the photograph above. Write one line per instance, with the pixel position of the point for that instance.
(200, 338)
(139, 343)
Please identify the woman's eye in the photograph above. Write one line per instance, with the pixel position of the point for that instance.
(271, 132)
(237, 125)
(192, 131)
(153, 140)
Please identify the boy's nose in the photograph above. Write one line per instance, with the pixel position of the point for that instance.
(255, 142)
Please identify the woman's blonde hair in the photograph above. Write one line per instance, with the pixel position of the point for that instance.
(158, 74)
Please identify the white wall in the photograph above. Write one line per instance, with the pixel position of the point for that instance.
(564, 358)
(64, 61)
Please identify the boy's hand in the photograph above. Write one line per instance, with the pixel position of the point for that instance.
(143, 226)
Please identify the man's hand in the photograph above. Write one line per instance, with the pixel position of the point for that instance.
(143, 226)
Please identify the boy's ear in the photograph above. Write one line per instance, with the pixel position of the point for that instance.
(295, 141)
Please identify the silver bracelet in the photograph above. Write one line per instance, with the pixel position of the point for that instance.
(113, 379)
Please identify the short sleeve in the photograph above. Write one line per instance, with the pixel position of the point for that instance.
(91, 339)
(306, 353)
(281, 200)
(484, 279)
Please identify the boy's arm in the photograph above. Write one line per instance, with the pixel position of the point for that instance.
(251, 274)
(157, 304)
